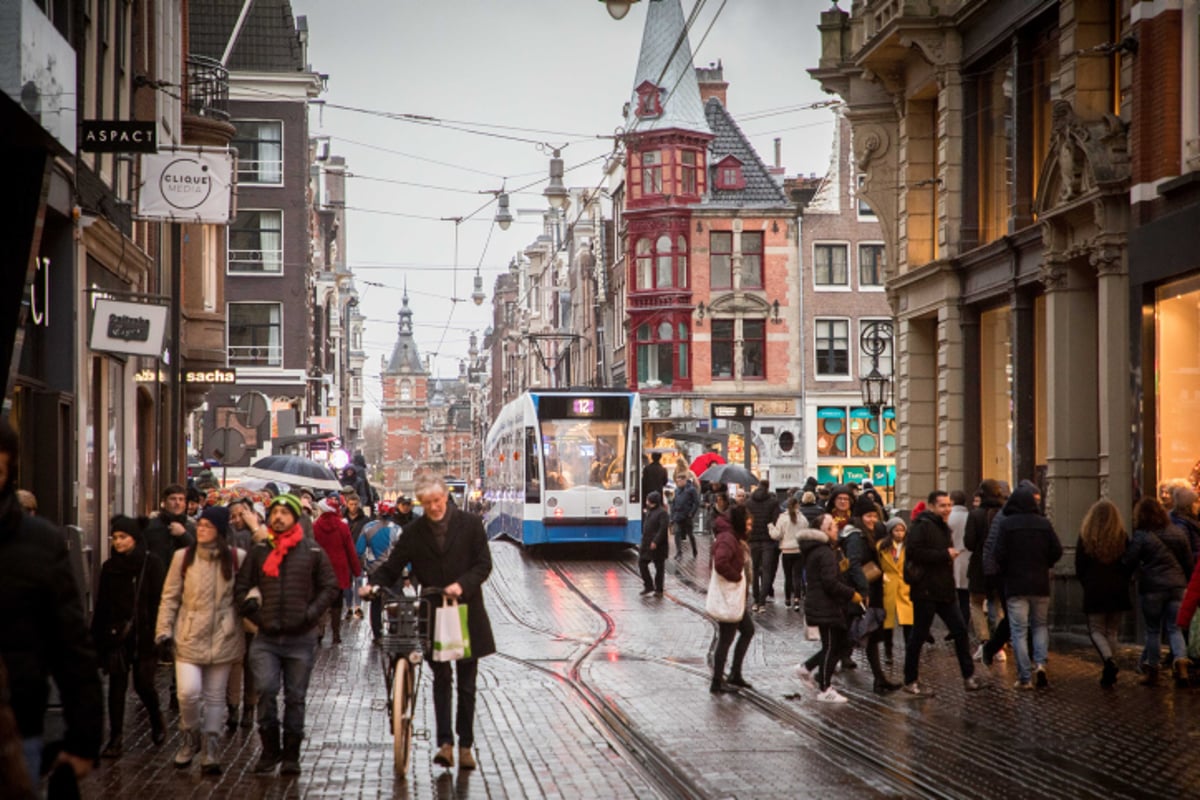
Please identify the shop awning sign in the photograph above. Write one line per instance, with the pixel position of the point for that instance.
(130, 328)
(187, 184)
(118, 136)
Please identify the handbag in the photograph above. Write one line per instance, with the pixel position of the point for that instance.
(871, 571)
(726, 599)
(451, 638)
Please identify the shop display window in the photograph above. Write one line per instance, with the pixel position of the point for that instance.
(1177, 377)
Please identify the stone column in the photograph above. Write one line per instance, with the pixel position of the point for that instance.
(1115, 456)
(916, 410)
(949, 398)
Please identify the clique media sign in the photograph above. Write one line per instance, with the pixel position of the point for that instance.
(187, 184)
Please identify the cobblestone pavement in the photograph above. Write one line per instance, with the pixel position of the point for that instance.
(570, 625)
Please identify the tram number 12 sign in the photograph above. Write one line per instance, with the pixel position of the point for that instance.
(732, 410)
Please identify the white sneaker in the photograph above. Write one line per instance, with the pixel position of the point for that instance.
(978, 653)
(806, 677)
(1000, 656)
(831, 695)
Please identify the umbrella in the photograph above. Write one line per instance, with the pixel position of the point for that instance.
(723, 474)
(706, 460)
(294, 470)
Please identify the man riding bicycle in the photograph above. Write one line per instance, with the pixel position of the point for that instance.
(448, 548)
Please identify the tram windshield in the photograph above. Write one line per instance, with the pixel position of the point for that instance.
(584, 453)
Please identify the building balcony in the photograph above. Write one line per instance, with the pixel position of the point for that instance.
(662, 299)
(255, 355)
(206, 103)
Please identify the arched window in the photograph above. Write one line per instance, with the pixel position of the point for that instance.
(663, 265)
(405, 391)
(645, 264)
(662, 355)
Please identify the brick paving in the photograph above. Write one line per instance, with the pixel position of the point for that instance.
(535, 738)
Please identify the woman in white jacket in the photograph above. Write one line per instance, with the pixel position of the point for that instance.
(789, 530)
(198, 621)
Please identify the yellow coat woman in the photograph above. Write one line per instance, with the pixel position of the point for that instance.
(896, 601)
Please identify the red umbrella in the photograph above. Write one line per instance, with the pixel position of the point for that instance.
(705, 461)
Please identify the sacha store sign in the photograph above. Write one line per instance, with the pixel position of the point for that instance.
(187, 184)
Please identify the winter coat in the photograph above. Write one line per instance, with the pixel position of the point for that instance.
(764, 510)
(1026, 548)
(356, 523)
(654, 531)
(122, 583)
(859, 547)
(1158, 554)
(333, 534)
(1105, 586)
(790, 534)
(685, 503)
(728, 556)
(958, 524)
(43, 630)
(828, 591)
(1191, 529)
(979, 522)
(198, 612)
(928, 548)
(812, 512)
(373, 543)
(293, 601)
(654, 478)
(466, 561)
(896, 600)
(720, 522)
(160, 541)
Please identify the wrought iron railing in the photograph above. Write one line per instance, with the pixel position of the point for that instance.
(206, 88)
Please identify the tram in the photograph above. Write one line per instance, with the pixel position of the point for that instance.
(563, 466)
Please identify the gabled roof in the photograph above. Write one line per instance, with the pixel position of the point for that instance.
(406, 359)
(678, 88)
(761, 188)
(269, 40)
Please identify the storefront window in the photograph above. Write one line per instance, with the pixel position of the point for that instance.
(831, 431)
(995, 392)
(994, 131)
(1177, 375)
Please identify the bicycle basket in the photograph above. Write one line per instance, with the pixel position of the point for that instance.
(405, 626)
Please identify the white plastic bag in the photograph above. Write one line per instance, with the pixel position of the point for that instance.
(726, 600)
(451, 641)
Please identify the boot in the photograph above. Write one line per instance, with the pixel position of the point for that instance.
(114, 748)
(335, 622)
(1149, 675)
(248, 716)
(1108, 677)
(210, 763)
(736, 679)
(719, 686)
(1180, 669)
(158, 729)
(270, 750)
(291, 754)
(231, 718)
(187, 748)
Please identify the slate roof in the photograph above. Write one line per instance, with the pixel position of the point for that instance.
(683, 108)
(269, 40)
(761, 188)
(405, 356)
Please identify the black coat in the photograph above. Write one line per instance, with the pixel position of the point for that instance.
(979, 522)
(828, 591)
(861, 547)
(121, 582)
(1027, 547)
(159, 540)
(654, 531)
(928, 549)
(43, 631)
(292, 602)
(467, 562)
(764, 510)
(654, 478)
(1158, 554)
(1105, 586)
(812, 513)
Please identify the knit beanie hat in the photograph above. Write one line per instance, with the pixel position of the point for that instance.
(895, 522)
(288, 501)
(219, 517)
(127, 525)
(864, 505)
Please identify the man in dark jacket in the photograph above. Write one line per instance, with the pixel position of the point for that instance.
(43, 631)
(654, 545)
(1026, 548)
(448, 549)
(683, 509)
(929, 573)
(172, 529)
(284, 586)
(764, 551)
(654, 475)
(979, 522)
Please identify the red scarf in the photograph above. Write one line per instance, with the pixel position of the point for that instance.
(283, 542)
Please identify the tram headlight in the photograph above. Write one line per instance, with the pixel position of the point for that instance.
(617, 501)
(552, 502)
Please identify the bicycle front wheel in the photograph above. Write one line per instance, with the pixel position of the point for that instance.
(402, 689)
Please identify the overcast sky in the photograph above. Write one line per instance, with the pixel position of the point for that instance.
(552, 71)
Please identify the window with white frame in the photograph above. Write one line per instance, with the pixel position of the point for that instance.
(829, 265)
(255, 334)
(259, 145)
(833, 347)
(870, 265)
(256, 242)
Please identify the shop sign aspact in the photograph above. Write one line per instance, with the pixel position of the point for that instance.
(117, 136)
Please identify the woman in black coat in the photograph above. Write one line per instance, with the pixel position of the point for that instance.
(654, 545)
(1105, 580)
(829, 593)
(859, 542)
(123, 628)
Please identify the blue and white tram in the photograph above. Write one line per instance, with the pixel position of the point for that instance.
(564, 466)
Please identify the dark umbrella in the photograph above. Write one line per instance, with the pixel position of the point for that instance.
(294, 470)
(722, 474)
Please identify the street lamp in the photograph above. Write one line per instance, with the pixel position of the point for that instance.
(617, 9)
(555, 192)
(504, 217)
(875, 340)
(478, 296)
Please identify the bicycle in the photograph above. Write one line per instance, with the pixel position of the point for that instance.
(403, 643)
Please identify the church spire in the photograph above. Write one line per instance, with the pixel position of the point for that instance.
(679, 105)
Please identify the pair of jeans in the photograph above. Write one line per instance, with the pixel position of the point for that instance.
(286, 659)
(760, 570)
(143, 683)
(1159, 610)
(655, 585)
(443, 690)
(683, 530)
(1103, 629)
(744, 629)
(793, 585)
(201, 687)
(1029, 613)
(923, 613)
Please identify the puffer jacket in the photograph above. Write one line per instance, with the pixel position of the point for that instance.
(292, 602)
(928, 547)
(828, 591)
(728, 556)
(332, 533)
(1157, 554)
(198, 612)
(764, 510)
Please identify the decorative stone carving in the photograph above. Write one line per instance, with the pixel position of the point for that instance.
(1054, 273)
(1107, 258)
(1084, 156)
